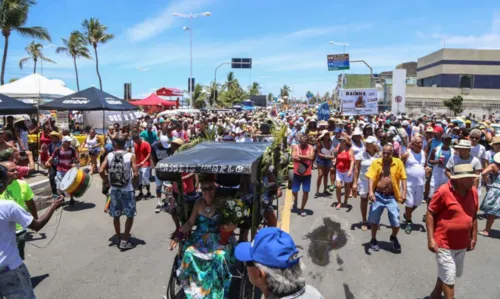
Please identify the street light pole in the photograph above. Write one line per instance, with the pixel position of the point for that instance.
(190, 28)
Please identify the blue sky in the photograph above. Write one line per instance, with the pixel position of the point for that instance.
(287, 40)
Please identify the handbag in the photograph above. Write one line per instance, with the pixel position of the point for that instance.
(302, 168)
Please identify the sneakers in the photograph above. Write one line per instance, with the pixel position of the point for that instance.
(326, 193)
(158, 209)
(148, 196)
(409, 227)
(316, 195)
(374, 245)
(395, 244)
(125, 245)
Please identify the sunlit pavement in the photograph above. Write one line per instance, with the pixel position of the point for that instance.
(346, 268)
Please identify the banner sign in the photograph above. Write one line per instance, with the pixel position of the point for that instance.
(337, 62)
(363, 101)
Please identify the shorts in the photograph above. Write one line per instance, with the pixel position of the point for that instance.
(95, 152)
(324, 162)
(414, 195)
(377, 208)
(159, 184)
(144, 175)
(298, 180)
(122, 203)
(450, 264)
(363, 187)
(16, 284)
(59, 177)
(343, 177)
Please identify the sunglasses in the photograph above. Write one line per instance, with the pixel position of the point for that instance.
(205, 189)
(249, 264)
(475, 138)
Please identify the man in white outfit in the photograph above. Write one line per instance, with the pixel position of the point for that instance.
(414, 160)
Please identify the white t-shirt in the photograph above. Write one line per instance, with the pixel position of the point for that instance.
(128, 167)
(479, 152)
(366, 162)
(10, 214)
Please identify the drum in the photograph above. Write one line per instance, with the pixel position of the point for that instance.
(76, 182)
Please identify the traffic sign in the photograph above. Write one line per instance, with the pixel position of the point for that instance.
(241, 63)
(398, 99)
(338, 62)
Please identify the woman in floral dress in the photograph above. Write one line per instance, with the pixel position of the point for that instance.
(491, 203)
(204, 269)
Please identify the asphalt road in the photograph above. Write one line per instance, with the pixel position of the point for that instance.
(346, 268)
(81, 261)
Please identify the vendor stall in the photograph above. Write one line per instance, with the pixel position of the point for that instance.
(9, 106)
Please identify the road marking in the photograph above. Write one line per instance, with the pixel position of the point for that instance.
(287, 211)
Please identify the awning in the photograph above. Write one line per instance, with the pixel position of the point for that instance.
(35, 86)
(170, 92)
(154, 100)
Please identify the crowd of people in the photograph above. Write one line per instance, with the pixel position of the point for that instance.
(386, 160)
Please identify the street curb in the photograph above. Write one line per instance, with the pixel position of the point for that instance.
(287, 211)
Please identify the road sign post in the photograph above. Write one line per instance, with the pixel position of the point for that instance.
(338, 62)
(398, 99)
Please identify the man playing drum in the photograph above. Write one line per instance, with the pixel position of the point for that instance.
(64, 158)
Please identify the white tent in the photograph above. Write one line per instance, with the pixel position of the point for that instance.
(36, 86)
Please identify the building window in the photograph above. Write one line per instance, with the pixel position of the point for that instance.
(466, 81)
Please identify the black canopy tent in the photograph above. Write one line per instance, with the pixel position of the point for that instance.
(215, 157)
(90, 99)
(10, 105)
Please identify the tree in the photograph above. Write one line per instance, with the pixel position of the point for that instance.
(75, 47)
(326, 96)
(455, 104)
(231, 82)
(13, 17)
(285, 91)
(213, 90)
(270, 98)
(95, 32)
(34, 51)
(199, 97)
(254, 89)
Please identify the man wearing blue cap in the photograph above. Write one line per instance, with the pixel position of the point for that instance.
(274, 266)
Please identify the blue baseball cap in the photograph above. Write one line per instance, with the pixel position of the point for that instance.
(108, 147)
(338, 130)
(271, 247)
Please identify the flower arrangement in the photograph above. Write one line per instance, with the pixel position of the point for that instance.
(234, 211)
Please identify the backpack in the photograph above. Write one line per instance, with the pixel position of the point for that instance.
(118, 175)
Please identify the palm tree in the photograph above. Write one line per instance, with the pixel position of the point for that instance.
(75, 47)
(13, 17)
(34, 51)
(285, 91)
(95, 32)
(199, 96)
(231, 82)
(254, 89)
(13, 79)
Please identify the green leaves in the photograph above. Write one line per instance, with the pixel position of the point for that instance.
(455, 104)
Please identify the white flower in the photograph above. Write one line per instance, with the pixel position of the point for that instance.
(237, 209)
(239, 214)
(246, 212)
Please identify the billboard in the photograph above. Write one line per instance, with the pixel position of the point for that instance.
(337, 62)
(398, 99)
(362, 101)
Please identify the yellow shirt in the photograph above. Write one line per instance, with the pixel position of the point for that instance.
(398, 173)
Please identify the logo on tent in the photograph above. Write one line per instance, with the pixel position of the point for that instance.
(113, 102)
(76, 101)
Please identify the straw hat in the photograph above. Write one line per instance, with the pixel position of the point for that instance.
(178, 141)
(323, 133)
(496, 140)
(19, 119)
(55, 134)
(464, 171)
(465, 144)
(323, 123)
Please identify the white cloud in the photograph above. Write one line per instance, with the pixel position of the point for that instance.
(163, 21)
(488, 40)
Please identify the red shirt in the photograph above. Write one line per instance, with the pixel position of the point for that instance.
(453, 216)
(45, 138)
(309, 149)
(343, 161)
(142, 150)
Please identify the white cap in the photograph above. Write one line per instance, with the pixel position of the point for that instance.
(66, 139)
(357, 132)
(165, 141)
(371, 139)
